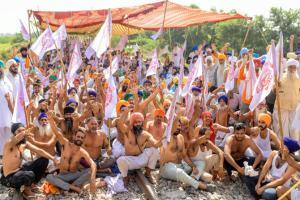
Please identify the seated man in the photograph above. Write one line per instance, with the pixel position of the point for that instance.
(235, 148)
(140, 148)
(14, 174)
(71, 154)
(171, 157)
(157, 127)
(200, 152)
(275, 172)
(263, 136)
(94, 142)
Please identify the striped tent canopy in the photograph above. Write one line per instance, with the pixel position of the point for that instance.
(132, 20)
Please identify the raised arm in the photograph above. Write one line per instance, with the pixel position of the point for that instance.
(149, 99)
(38, 151)
(87, 157)
(208, 103)
(62, 140)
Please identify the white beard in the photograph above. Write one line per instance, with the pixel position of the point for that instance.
(76, 98)
(45, 130)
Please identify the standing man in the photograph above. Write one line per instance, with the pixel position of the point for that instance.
(13, 75)
(6, 107)
(289, 98)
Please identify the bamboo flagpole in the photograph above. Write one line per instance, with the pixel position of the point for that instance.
(289, 191)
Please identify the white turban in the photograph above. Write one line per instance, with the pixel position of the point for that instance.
(209, 58)
(10, 63)
(292, 62)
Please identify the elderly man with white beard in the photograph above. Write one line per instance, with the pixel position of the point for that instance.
(42, 136)
(289, 98)
(6, 107)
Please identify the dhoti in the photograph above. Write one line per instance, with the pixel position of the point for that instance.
(148, 159)
(5, 134)
(287, 120)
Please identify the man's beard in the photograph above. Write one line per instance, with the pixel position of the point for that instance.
(137, 130)
(69, 124)
(177, 132)
(291, 76)
(44, 130)
(158, 121)
(259, 111)
(13, 71)
(262, 128)
(78, 142)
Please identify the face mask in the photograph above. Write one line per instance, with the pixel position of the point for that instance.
(138, 129)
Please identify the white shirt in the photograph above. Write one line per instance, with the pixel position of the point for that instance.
(6, 115)
(14, 81)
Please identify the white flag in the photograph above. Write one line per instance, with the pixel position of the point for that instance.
(20, 103)
(58, 36)
(250, 81)
(170, 116)
(122, 43)
(195, 72)
(75, 63)
(265, 81)
(102, 40)
(229, 84)
(24, 31)
(114, 67)
(157, 34)
(165, 50)
(44, 42)
(111, 99)
(153, 64)
(279, 56)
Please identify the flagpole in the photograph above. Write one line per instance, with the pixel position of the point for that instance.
(289, 191)
(163, 22)
(110, 63)
(277, 94)
(29, 29)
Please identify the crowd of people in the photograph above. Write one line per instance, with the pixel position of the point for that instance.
(67, 143)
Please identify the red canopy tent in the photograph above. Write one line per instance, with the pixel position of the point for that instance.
(133, 19)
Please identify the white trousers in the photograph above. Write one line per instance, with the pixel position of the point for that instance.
(148, 159)
(117, 149)
(5, 134)
(287, 120)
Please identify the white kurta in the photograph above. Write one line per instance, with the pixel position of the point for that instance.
(14, 81)
(6, 115)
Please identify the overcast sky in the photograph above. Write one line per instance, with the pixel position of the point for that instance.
(13, 10)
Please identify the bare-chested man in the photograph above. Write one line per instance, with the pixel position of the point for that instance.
(157, 127)
(14, 173)
(94, 142)
(234, 150)
(140, 148)
(71, 154)
(93, 107)
(42, 136)
(171, 157)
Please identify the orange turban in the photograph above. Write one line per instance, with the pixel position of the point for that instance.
(221, 56)
(159, 112)
(136, 116)
(265, 118)
(120, 104)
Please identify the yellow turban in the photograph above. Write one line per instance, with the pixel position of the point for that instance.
(221, 56)
(265, 118)
(175, 80)
(184, 80)
(126, 81)
(120, 104)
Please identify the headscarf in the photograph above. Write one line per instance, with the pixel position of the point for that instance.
(15, 127)
(224, 98)
(291, 144)
(265, 118)
(195, 88)
(127, 96)
(92, 92)
(2, 65)
(136, 116)
(292, 62)
(70, 101)
(159, 112)
(42, 116)
(71, 89)
(120, 104)
(213, 135)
